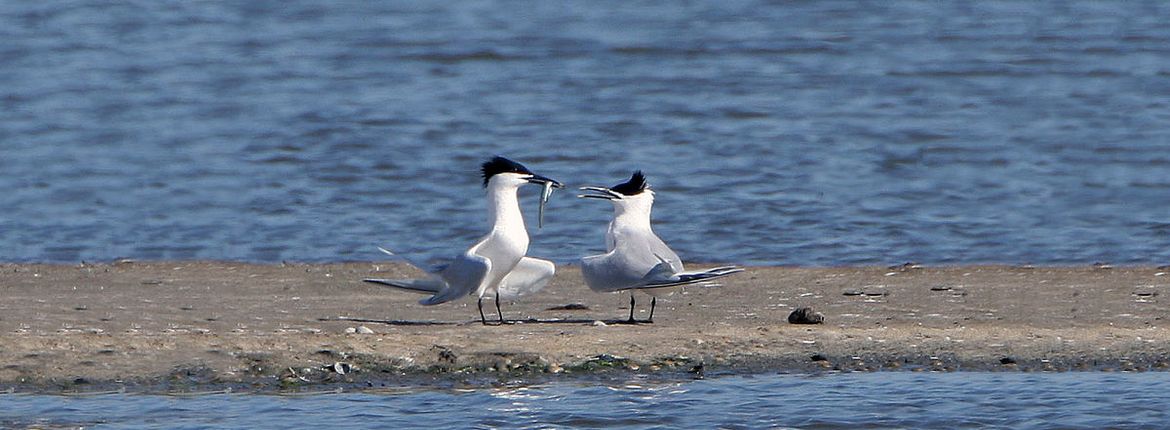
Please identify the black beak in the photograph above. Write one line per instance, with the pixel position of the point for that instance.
(537, 179)
(605, 193)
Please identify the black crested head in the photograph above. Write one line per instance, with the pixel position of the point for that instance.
(636, 185)
(500, 164)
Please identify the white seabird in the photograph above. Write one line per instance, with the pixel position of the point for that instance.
(635, 258)
(495, 265)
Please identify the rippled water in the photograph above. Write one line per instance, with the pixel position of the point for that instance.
(848, 401)
(775, 132)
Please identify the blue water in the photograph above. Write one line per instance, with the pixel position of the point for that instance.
(843, 401)
(811, 133)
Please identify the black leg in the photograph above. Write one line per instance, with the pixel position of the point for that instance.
(631, 320)
(498, 312)
(482, 318)
(653, 301)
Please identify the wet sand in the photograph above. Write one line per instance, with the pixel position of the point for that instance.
(187, 325)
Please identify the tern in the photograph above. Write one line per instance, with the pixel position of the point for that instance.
(635, 258)
(495, 265)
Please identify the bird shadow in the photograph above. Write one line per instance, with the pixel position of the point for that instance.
(391, 322)
(588, 321)
(582, 321)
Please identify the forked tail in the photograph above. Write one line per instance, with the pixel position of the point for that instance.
(687, 278)
(424, 286)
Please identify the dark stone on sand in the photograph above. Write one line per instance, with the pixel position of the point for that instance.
(1007, 360)
(818, 357)
(806, 316)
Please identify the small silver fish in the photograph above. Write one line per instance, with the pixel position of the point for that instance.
(544, 195)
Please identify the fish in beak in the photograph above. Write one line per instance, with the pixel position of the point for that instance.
(548, 185)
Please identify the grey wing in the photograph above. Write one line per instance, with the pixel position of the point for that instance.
(667, 272)
(463, 276)
(425, 286)
(529, 276)
(429, 285)
(663, 253)
(612, 271)
(686, 278)
(632, 259)
(418, 264)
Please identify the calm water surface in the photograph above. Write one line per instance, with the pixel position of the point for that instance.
(812, 133)
(849, 401)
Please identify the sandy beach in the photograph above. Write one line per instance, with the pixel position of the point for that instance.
(186, 325)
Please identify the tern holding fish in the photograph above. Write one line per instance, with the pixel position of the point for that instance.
(495, 265)
(635, 258)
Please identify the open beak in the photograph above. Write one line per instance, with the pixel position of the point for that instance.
(604, 193)
(537, 179)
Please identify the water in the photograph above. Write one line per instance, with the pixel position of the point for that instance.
(848, 401)
(810, 133)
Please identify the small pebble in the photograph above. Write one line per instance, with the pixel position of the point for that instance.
(599, 324)
(361, 329)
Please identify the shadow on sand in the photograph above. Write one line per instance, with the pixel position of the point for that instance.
(583, 321)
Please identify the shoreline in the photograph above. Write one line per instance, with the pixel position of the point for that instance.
(195, 326)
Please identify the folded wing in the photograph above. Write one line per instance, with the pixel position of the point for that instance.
(452, 281)
(463, 276)
(685, 278)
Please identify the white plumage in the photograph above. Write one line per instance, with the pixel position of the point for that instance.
(635, 258)
(496, 265)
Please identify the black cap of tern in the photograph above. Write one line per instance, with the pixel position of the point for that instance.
(634, 186)
(498, 165)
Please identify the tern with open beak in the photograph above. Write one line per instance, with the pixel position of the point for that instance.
(635, 258)
(496, 265)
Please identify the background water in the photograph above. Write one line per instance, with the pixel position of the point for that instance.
(848, 401)
(811, 133)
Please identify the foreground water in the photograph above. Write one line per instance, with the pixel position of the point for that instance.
(775, 133)
(841, 401)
